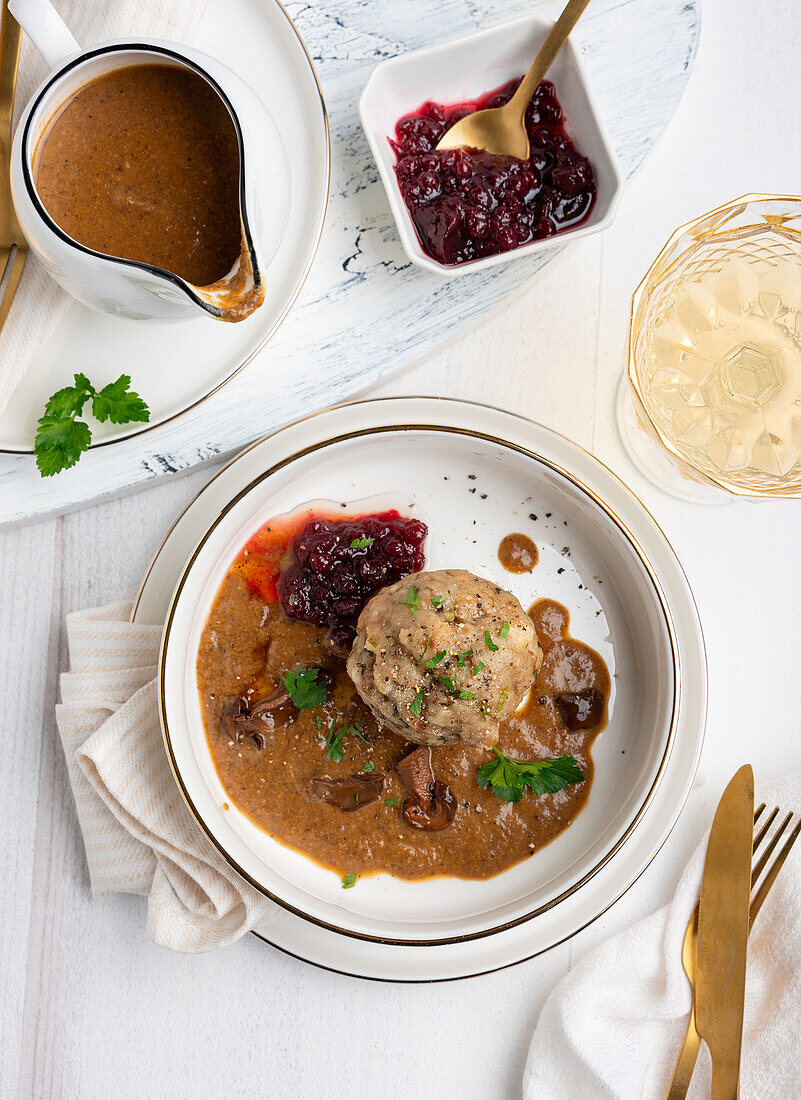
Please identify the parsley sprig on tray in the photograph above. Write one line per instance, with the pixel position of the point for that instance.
(509, 779)
(61, 437)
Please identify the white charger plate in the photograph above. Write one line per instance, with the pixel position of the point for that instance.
(463, 956)
(176, 366)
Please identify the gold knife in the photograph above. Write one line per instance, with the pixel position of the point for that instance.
(723, 933)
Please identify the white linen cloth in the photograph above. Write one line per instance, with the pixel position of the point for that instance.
(139, 836)
(40, 303)
(613, 1026)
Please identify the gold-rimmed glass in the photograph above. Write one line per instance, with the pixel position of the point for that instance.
(714, 370)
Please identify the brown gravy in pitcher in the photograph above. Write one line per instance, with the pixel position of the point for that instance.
(143, 163)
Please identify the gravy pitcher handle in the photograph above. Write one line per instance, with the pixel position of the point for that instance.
(46, 29)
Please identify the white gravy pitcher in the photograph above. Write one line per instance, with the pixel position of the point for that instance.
(129, 288)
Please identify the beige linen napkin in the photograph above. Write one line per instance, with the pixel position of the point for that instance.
(40, 304)
(612, 1028)
(139, 836)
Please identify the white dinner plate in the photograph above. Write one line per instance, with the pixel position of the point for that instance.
(491, 911)
(175, 366)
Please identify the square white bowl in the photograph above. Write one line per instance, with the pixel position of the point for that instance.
(467, 69)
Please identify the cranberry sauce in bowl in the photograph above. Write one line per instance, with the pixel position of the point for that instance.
(466, 204)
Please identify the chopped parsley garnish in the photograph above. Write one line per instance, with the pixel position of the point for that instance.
(369, 766)
(412, 600)
(390, 801)
(348, 880)
(449, 684)
(416, 705)
(333, 743)
(362, 543)
(463, 657)
(425, 650)
(467, 695)
(477, 668)
(490, 644)
(504, 629)
(304, 689)
(319, 721)
(61, 438)
(436, 601)
(508, 779)
(432, 662)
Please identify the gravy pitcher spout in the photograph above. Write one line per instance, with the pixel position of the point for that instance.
(241, 291)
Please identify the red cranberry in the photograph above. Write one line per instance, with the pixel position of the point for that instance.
(542, 226)
(334, 597)
(428, 182)
(433, 110)
(480, 195)
(573, 180)
(506, 238)
(408, 166)
(412, 192)
(476, 222)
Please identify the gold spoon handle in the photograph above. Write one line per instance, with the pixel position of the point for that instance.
(557, 36)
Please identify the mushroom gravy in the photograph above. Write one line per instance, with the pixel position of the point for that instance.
(518, 553)
(143, 163)
(247, 646)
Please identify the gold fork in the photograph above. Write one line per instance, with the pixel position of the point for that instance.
(685, 1063)
(13, 246)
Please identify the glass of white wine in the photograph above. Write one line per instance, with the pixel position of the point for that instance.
(711, 402)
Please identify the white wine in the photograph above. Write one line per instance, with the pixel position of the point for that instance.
(716, 346)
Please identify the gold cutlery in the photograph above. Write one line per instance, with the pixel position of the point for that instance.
(13, 246)
(502, 130)
(723, 932)
(685, 1063)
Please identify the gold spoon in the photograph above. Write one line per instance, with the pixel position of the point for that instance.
(502, 130)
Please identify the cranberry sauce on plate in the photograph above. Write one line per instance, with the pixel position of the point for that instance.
(469, 204)
(338, 564)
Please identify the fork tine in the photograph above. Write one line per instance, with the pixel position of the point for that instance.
(20, 257)
(770, 877)
(763, 831)
(759, 867)
(5, 256)
(758, 812)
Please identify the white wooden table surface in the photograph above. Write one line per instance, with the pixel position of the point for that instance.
(88, 1007)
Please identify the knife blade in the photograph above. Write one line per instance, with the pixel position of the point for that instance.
(723, 932)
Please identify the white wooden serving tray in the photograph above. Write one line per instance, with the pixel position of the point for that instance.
(365, 312)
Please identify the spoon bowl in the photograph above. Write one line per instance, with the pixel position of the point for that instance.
(501, 131)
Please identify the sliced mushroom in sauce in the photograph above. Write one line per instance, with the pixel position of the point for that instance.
(241, 719)
(431, 806)
(580, 710)
(348, 794)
